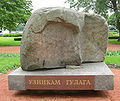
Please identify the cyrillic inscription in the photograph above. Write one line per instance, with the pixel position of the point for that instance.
(60, 82)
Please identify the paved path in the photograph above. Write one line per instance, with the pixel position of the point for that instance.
(113, 47)
(10, 49)
(16, 49)
(15, 95)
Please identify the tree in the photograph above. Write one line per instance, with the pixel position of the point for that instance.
(99, 6)
(112, 20)
(20, 27)
(14, 12)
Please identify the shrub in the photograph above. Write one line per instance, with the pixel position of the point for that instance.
(116, 31)
(9, 54)
(17, 39)
(112, 53)
(113, 37)
(12, 35)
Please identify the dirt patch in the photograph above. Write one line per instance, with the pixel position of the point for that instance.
(10, 49)
(16, 49)
(113, 47)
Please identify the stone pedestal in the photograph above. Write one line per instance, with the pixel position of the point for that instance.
(88, 76)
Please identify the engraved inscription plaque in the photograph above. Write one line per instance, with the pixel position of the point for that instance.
(60, 82)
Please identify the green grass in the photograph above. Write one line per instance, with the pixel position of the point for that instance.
(114, 41)
(9, 41)
(112, 57)
(9, 61)
(112, 60)
(113, 34)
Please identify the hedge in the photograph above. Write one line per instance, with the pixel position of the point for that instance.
(112, 53)
(113, 37)
(12, 35)
(17, 39)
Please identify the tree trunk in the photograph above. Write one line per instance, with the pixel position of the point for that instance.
(119, 36)
(116, 14)
(118, 27)
(9, 31)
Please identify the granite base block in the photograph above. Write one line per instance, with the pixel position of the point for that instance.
(103, 77)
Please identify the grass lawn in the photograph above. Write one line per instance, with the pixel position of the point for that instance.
(9, 41)
(114, 41)
(9, 61)
(112, 60)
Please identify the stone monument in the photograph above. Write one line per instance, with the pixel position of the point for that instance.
(62, 49)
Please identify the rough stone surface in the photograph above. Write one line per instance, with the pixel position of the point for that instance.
(56, 37)
(16, 82)
(104, 78)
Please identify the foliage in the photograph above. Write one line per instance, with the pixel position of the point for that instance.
(112, 53)
(12, 35)
(20, 27)
(9, 61)
(9, 54)
(99, 6)
(112, 20)
(14, 12)
(9, 41)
